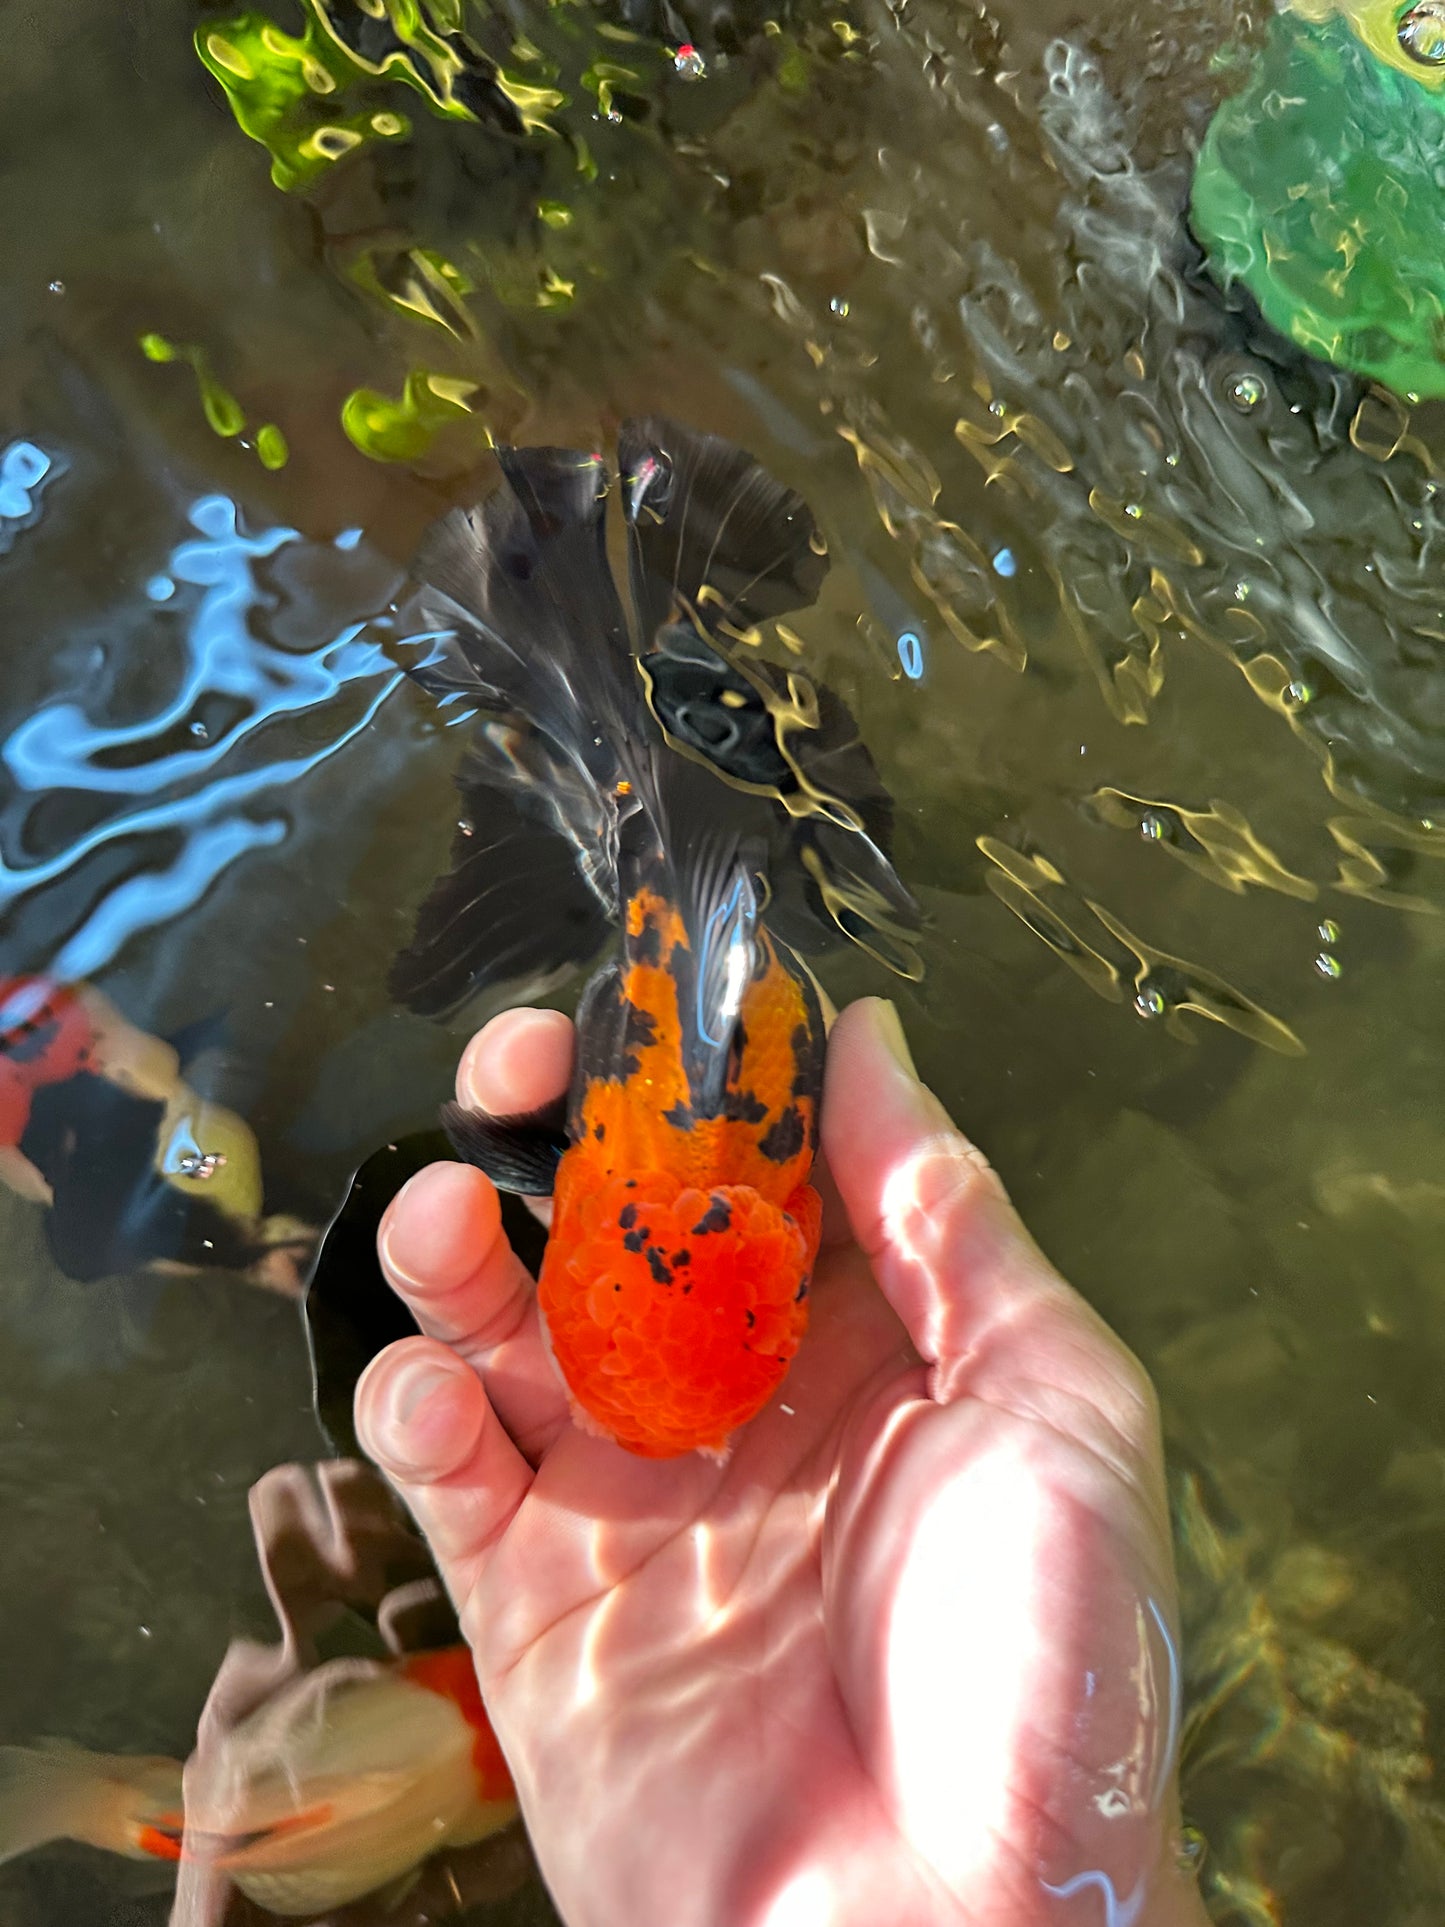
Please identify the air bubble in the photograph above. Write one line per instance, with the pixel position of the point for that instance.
(1421, 33)
(200, 732)
(1151, 826)
(1150, 1003)
(1329, 931)
(57, 287)
(1133, 511)
(1298, 693)
(1328, 966)
(688, 63)
(1245, 392)
(839, 307)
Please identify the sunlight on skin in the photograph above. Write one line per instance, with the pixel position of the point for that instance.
(886, 1663)
(804, 1902)
(956, 1818)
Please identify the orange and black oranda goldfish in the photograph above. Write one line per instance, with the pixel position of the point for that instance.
(724, 817)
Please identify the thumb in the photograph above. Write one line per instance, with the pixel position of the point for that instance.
(982, 1305)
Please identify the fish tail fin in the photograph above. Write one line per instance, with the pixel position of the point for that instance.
(128, 1804)
(527, 628)
(719, 548)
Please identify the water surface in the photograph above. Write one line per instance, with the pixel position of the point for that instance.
(1138, 612)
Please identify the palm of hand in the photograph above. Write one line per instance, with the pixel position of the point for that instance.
(904, 1657)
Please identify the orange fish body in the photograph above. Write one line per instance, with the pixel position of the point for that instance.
(674, 1285)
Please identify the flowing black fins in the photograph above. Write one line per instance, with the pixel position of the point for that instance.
(528, 628)
(542, 629)
(517, 1153)
(530, 894)
(775, 733)
(513, 909)
(715, 540)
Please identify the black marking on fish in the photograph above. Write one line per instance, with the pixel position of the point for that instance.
(717, 1217)
(599, 1131)
(680, 1116)
(658, 1266)
(801, 1293)
(752, 1320)
(681, 1258)
(640, 1031)
(784, 1138)
(635, 1240)
(737, 1044)
(646, 947)
(743, 1108)
(627, 1216)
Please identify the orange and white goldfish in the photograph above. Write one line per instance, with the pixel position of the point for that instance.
(684, 1228)
(337, 1787)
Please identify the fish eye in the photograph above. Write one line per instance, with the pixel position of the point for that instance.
(1421, 33)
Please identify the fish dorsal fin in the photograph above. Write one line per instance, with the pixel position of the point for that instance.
(712, 533)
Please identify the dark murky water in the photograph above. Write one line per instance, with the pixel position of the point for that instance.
(1141, 616)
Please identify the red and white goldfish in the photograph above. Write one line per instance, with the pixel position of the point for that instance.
(684, 1229)
(99, 1125)
(340, 1785)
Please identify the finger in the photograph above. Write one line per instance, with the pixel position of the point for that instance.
(517, 1063)
(424, 1417)
(443, 1250)
(981, 1303)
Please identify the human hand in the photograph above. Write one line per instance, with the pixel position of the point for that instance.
(910, 1656)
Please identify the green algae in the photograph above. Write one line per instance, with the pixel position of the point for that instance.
(404, 429)
(1317, 190)
(311, 99)
(224, 414)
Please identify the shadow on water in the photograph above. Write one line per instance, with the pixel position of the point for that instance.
(1138, 610)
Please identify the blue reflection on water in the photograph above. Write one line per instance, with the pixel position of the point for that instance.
(61, 748)
(1125, 1912)
(1117, 1913)
(24, 470)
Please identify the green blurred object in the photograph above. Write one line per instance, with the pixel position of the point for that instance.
(1318, 189)
(403, 430)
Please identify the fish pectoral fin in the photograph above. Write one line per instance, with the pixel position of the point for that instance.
(517, 1153)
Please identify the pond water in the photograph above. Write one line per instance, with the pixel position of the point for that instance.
(1141, 616)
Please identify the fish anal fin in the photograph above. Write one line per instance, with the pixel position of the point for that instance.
(517, 1153)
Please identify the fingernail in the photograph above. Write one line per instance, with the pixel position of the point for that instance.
(890, 1035)
(421, 1425)
(412, 1386)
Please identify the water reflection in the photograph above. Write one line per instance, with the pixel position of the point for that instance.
(232, 684)
(936, 268)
